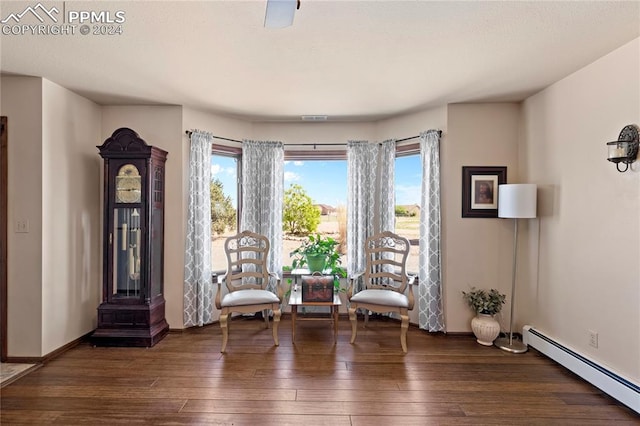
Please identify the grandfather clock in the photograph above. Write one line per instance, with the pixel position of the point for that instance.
(132, 308)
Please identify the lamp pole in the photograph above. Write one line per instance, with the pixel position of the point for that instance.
(503, 343)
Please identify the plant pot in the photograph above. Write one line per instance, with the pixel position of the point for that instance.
(316, 262)
(486, 328)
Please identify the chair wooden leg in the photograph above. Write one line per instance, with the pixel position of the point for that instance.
(265, 315)
(366, 318)
(276, 323)
(403, 331)
(225, 330)
(354, 322)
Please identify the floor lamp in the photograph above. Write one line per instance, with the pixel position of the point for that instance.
(515, 201)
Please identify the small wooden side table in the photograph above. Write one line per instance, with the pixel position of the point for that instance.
(295, 300)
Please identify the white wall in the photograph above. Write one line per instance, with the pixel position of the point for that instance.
(588, 270)
(313, 132)
(476, 251)
(218, 125)
(22, 104)
(412, 124)
(71, 216)
(54, 269)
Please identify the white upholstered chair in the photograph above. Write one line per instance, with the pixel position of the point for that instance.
(385, 282)
(246, 282)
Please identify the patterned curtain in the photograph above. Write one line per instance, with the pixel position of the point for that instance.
(386, 182)
(361, 177)
(430, 311)
(263, 195)
(198, 289)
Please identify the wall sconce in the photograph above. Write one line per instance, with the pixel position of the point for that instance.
(625, 149)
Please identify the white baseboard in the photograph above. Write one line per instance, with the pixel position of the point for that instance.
(618, 387)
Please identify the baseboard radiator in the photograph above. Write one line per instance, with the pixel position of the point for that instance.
(607, 381)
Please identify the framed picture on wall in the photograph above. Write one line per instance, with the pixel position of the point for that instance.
(480, 190)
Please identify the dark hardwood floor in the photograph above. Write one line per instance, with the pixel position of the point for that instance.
(184, 379)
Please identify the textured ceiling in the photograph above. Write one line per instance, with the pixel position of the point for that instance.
(350, 60)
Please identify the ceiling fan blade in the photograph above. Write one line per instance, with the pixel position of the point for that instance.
(280, 13)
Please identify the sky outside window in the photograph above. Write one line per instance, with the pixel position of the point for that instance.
(225, 169)
(325, 181)
(408, 180)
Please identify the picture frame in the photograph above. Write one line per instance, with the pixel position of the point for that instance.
(480, 190)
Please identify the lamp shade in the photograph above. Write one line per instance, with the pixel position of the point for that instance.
(517, 200)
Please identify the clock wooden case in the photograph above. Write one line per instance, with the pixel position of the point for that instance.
(132, 312)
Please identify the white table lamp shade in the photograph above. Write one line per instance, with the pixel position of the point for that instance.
(517, 200)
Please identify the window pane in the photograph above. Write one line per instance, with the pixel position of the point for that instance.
(224, 206)
(408, 178)
(325, 183)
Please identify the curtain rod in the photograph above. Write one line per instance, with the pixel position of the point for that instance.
(190, 132)
(314, 145)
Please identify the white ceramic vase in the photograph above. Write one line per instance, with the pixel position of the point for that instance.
(486, 328)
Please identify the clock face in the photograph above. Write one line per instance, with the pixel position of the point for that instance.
(128, 185)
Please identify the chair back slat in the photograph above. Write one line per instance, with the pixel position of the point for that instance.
(386, 250)
(247, 261)
(386, 258)
(242, 262)
(386, 262)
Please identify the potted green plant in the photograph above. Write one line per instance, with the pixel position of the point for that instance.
(319, 254)
(486, 304)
